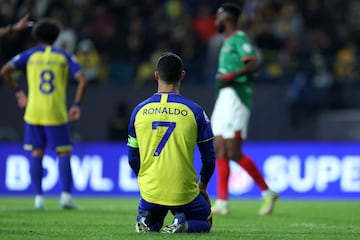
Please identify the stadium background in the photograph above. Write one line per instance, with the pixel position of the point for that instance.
(307, 88)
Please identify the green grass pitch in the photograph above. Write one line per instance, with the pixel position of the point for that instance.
(114, 218)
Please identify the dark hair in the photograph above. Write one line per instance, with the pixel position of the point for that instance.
(46, 30)
(169, 67)
(234, 9)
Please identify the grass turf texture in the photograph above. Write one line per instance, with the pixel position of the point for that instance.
(114, 218)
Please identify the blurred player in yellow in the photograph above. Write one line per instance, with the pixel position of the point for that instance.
(46, 117)
(163, 133)
(230, 117)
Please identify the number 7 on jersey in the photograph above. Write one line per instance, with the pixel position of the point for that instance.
(170, 128)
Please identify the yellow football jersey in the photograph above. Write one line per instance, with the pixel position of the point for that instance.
(166, 128)
(47, 70)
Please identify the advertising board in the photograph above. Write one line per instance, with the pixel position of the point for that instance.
(297, 170)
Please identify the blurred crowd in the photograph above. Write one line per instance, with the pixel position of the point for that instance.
(304, 43)
(117, 41)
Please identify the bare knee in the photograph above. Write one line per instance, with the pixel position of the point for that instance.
(234, 149)
(220, 147)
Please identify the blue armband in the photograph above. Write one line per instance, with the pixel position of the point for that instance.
(76, 104)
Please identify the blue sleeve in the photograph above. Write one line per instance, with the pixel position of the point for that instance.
(133, 148)
(74, 66)
(204, 127)
(20, 60)
(131, 127)
(134, 159)
(207, 153)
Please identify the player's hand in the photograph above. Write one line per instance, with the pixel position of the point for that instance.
(203, 191)
(228, 77)
(21, 99)
(74, 113)
(22, 23)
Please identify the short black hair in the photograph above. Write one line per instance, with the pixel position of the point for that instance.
(169, 66)
(46, 30)
(234, 9)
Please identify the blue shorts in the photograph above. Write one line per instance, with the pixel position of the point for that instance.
(40, 137)
(198, 209)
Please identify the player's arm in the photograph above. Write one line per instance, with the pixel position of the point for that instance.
(247, 55)
(133, 152)
(6, 73)
(207, 153)
(21, 24)
(74, 112)
(133, 146)
(80, 91)
(251, 66)
(134, 159)
(205, 144)
(5, 30)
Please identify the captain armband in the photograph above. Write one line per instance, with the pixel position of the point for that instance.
(132, 142)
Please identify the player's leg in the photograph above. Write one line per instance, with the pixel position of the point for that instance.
(234, 136)
(269, 196)
(235, 144)
(66, 180)
(59, 139)
(150, 217)
(219, 120)
(234, 147)
(34, 140)
(194, 217)
(222, 178)
(36, 173)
